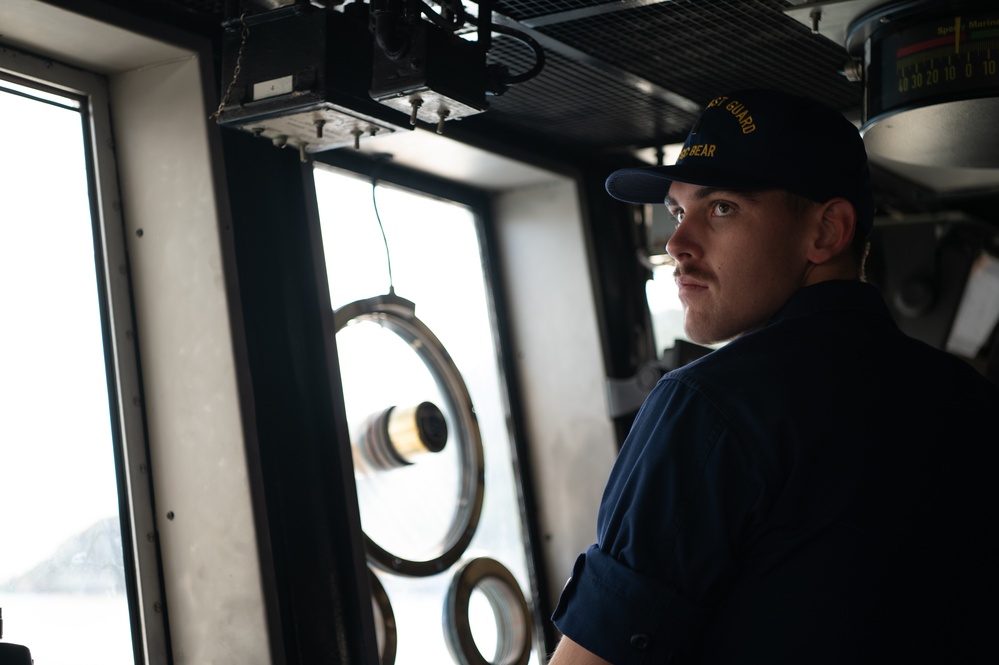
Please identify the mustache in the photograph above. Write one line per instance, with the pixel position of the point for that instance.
(696, 273)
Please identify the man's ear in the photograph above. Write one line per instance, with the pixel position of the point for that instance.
(836, 223)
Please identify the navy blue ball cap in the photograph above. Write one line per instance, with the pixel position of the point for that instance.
(763, 139)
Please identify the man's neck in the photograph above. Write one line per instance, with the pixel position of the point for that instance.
(841, 267)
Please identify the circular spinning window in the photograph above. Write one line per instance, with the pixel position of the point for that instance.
(511, 640)
(418, 456)
(385, 630)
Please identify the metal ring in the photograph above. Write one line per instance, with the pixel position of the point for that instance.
(398, 315)
(385, 618)
(513, 619)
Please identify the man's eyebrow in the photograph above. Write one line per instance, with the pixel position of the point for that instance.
(705, 192)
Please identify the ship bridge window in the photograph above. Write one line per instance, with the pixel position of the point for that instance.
(67, 376)
(430, 430)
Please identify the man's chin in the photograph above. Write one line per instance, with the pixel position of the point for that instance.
(706, 336)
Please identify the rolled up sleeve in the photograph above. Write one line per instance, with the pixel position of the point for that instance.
(682, 491)
(621, 615)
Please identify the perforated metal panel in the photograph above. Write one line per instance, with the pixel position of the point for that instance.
(703, 49)
(695, 49)
(524, 11)
(581, 103)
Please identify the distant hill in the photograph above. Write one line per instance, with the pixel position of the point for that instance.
(90, 562)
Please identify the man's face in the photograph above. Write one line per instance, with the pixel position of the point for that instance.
(739, 257)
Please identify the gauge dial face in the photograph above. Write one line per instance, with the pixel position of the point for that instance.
(927, 58)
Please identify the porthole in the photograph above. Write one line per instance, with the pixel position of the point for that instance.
(385, 630)
(509, 608)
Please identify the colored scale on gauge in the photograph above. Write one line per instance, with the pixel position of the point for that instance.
(944, 56)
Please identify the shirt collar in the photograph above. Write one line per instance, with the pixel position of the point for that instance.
(833, 295)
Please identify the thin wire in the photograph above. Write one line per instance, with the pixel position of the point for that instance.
(381, 227)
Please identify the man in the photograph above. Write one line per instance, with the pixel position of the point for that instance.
(818, 490)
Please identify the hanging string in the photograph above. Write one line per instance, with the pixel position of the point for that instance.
(381, 227)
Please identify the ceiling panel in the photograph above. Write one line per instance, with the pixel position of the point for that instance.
(703, 49)
(626, 75)
(581, 102)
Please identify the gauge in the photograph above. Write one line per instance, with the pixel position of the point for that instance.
(931, 73)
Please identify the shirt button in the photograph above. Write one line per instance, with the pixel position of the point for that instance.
(639, 642)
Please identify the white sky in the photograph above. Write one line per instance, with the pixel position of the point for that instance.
(56, 464)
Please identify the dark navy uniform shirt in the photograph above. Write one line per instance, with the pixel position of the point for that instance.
(818, 491)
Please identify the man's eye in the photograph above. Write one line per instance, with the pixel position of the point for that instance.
(722, 208)
(678, 215)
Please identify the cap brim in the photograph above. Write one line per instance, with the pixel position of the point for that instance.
(651, 184)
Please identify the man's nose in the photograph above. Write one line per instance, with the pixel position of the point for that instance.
(682, 244)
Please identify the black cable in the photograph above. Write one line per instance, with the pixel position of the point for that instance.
(454, 23)
(381, 227)
(539, 52)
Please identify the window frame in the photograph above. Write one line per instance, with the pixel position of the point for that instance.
(480, 203)
(143, 576)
